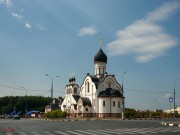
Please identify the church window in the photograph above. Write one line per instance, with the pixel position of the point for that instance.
(109, 85)
(75, 90)
(103, 103)
(113, 103)
(100, 71)
(118, 104)
(97, 71)
(88, 87)
(94, 102)
(86, 109)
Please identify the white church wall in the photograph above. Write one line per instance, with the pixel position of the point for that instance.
(106, 108)
(100, 68)
(115, 108)
(68, 101)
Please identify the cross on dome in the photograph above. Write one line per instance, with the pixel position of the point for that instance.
(100, 42)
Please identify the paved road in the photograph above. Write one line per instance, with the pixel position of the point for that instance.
(83, 127)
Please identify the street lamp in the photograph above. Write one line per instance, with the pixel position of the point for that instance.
(52, 78)
(26, 99)
(174, 96)
(123, 95)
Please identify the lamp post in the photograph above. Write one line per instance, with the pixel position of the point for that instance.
(26, 99)
(52, 79)
(123, 95)
(175, 96)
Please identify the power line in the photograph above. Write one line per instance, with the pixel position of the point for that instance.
(145, 91)
(135, 90)
(27, 90)
(19, 88)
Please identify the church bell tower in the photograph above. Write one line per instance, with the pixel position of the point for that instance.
(100, 61)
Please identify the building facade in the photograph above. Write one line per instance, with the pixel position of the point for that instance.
(100, 95)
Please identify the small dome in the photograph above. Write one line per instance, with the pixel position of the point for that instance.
(110, 92)
(100, 56)
(115, 92)
(70, 79)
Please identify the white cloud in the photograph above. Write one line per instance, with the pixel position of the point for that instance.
(28, 25)
(16, 15)
(145, 37)
(8, 3)
(40, 27)
(87, 31)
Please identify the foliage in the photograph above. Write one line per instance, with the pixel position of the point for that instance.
(18, 103)
(130, 113)
(155, 114)
(56, 114)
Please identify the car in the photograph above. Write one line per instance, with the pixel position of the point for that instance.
(2, 116)
(16, 117)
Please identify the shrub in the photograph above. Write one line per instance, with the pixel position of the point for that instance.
(56, 114)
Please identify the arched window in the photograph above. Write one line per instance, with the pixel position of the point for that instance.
(109, 84)
(75, 90)
(118, 104)
(104, 103)
(86, 109)
(87, 87)
(113, 103)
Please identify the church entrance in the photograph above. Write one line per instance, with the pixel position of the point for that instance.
(80, 110)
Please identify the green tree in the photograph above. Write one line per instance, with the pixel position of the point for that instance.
(8, 103)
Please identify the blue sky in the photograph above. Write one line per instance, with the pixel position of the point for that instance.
(61, 38)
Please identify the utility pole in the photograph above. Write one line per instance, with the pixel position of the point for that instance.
(175, 97)
(123, 96)
(52, 79)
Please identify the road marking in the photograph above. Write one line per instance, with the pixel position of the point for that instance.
(128, 131)
(22, 133)
(155, 130)
(9, 133)
(35, 133)
(109, 131)
(142, 130)
(150, 130)
(85, 132)
(98, 132)
(62, 133)
(73, 132)
(46, 132)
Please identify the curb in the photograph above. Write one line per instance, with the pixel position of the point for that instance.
(168, 124)
(64, 119)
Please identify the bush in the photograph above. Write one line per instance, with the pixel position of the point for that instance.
(56, 114)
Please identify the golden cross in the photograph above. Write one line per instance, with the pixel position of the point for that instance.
(100, 42)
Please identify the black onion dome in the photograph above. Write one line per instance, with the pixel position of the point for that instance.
(115, 93)
(100, 56)
(110, 92)
(70, 79)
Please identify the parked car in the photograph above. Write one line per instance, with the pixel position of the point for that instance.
(2, 116)
(16, 117)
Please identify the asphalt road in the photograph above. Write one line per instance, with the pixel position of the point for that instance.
(86, 127)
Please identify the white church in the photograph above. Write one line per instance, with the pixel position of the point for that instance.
(100, 95)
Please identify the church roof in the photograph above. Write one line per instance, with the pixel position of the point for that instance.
(76, 97)
(109, 92)
(95, 80)
(86, 101)
(100, 56)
